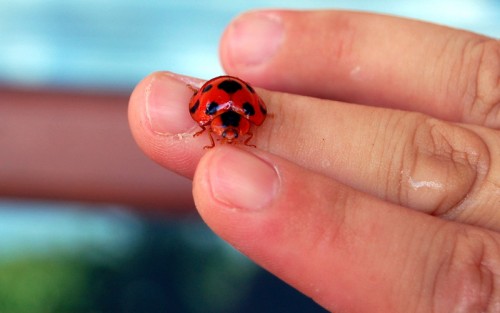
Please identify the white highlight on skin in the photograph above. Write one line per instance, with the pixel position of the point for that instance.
(358, 74)
(325, 163)
(189, 81)
(147, 96)
(417, 184)
(188, 136)
(355, 70)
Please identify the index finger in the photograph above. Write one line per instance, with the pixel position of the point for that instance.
(402, 157)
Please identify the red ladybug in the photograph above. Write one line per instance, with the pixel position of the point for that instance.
(226, 106)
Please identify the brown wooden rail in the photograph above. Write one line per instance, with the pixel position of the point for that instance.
(77, 146)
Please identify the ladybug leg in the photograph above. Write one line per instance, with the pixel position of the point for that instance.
(250, 135)
(203, 128)
(211, 140)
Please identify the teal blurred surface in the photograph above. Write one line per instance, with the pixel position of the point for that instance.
(112, 44)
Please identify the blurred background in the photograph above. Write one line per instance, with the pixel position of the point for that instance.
(87, 223)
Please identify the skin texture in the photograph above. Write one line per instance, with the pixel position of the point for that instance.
(375, 186)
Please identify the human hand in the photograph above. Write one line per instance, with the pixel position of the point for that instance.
(382, 196)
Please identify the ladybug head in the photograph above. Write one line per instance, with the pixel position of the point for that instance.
(228, 131)
(229, 134)
(230, 125)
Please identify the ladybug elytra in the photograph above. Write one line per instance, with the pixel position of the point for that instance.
(227, 106)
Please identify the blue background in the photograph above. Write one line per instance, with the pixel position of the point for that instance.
(113, 44)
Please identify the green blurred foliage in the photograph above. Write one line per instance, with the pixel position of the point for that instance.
(170, 267)
(162, 272)
(43, 285)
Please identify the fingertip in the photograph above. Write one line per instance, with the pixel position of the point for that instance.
(136, 111)
(251, 41)
(160, 122)
(239, 179)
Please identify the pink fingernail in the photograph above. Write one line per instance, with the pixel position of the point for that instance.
(242, 180)
(253, 38)
(167, 101)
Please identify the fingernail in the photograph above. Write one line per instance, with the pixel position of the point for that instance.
(254, 38)
(167, 101)
(242, 180)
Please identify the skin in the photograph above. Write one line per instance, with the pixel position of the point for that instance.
(375, 186)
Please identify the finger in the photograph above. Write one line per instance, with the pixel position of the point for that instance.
(338, 245)
(370, 59)
(409, 159)
(160, 122)
(406, 158)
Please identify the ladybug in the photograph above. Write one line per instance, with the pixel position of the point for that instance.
(226, 106)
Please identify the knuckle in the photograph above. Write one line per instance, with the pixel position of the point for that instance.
(481, 63)
(394, 136)
(466, 277)
(442, 165)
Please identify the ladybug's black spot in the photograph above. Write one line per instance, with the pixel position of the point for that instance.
(248, 109)
(230, 118)
(194, 107)
(207, 88)
(229, 86)
(262, 108)
(212, 108)
(250, 88)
